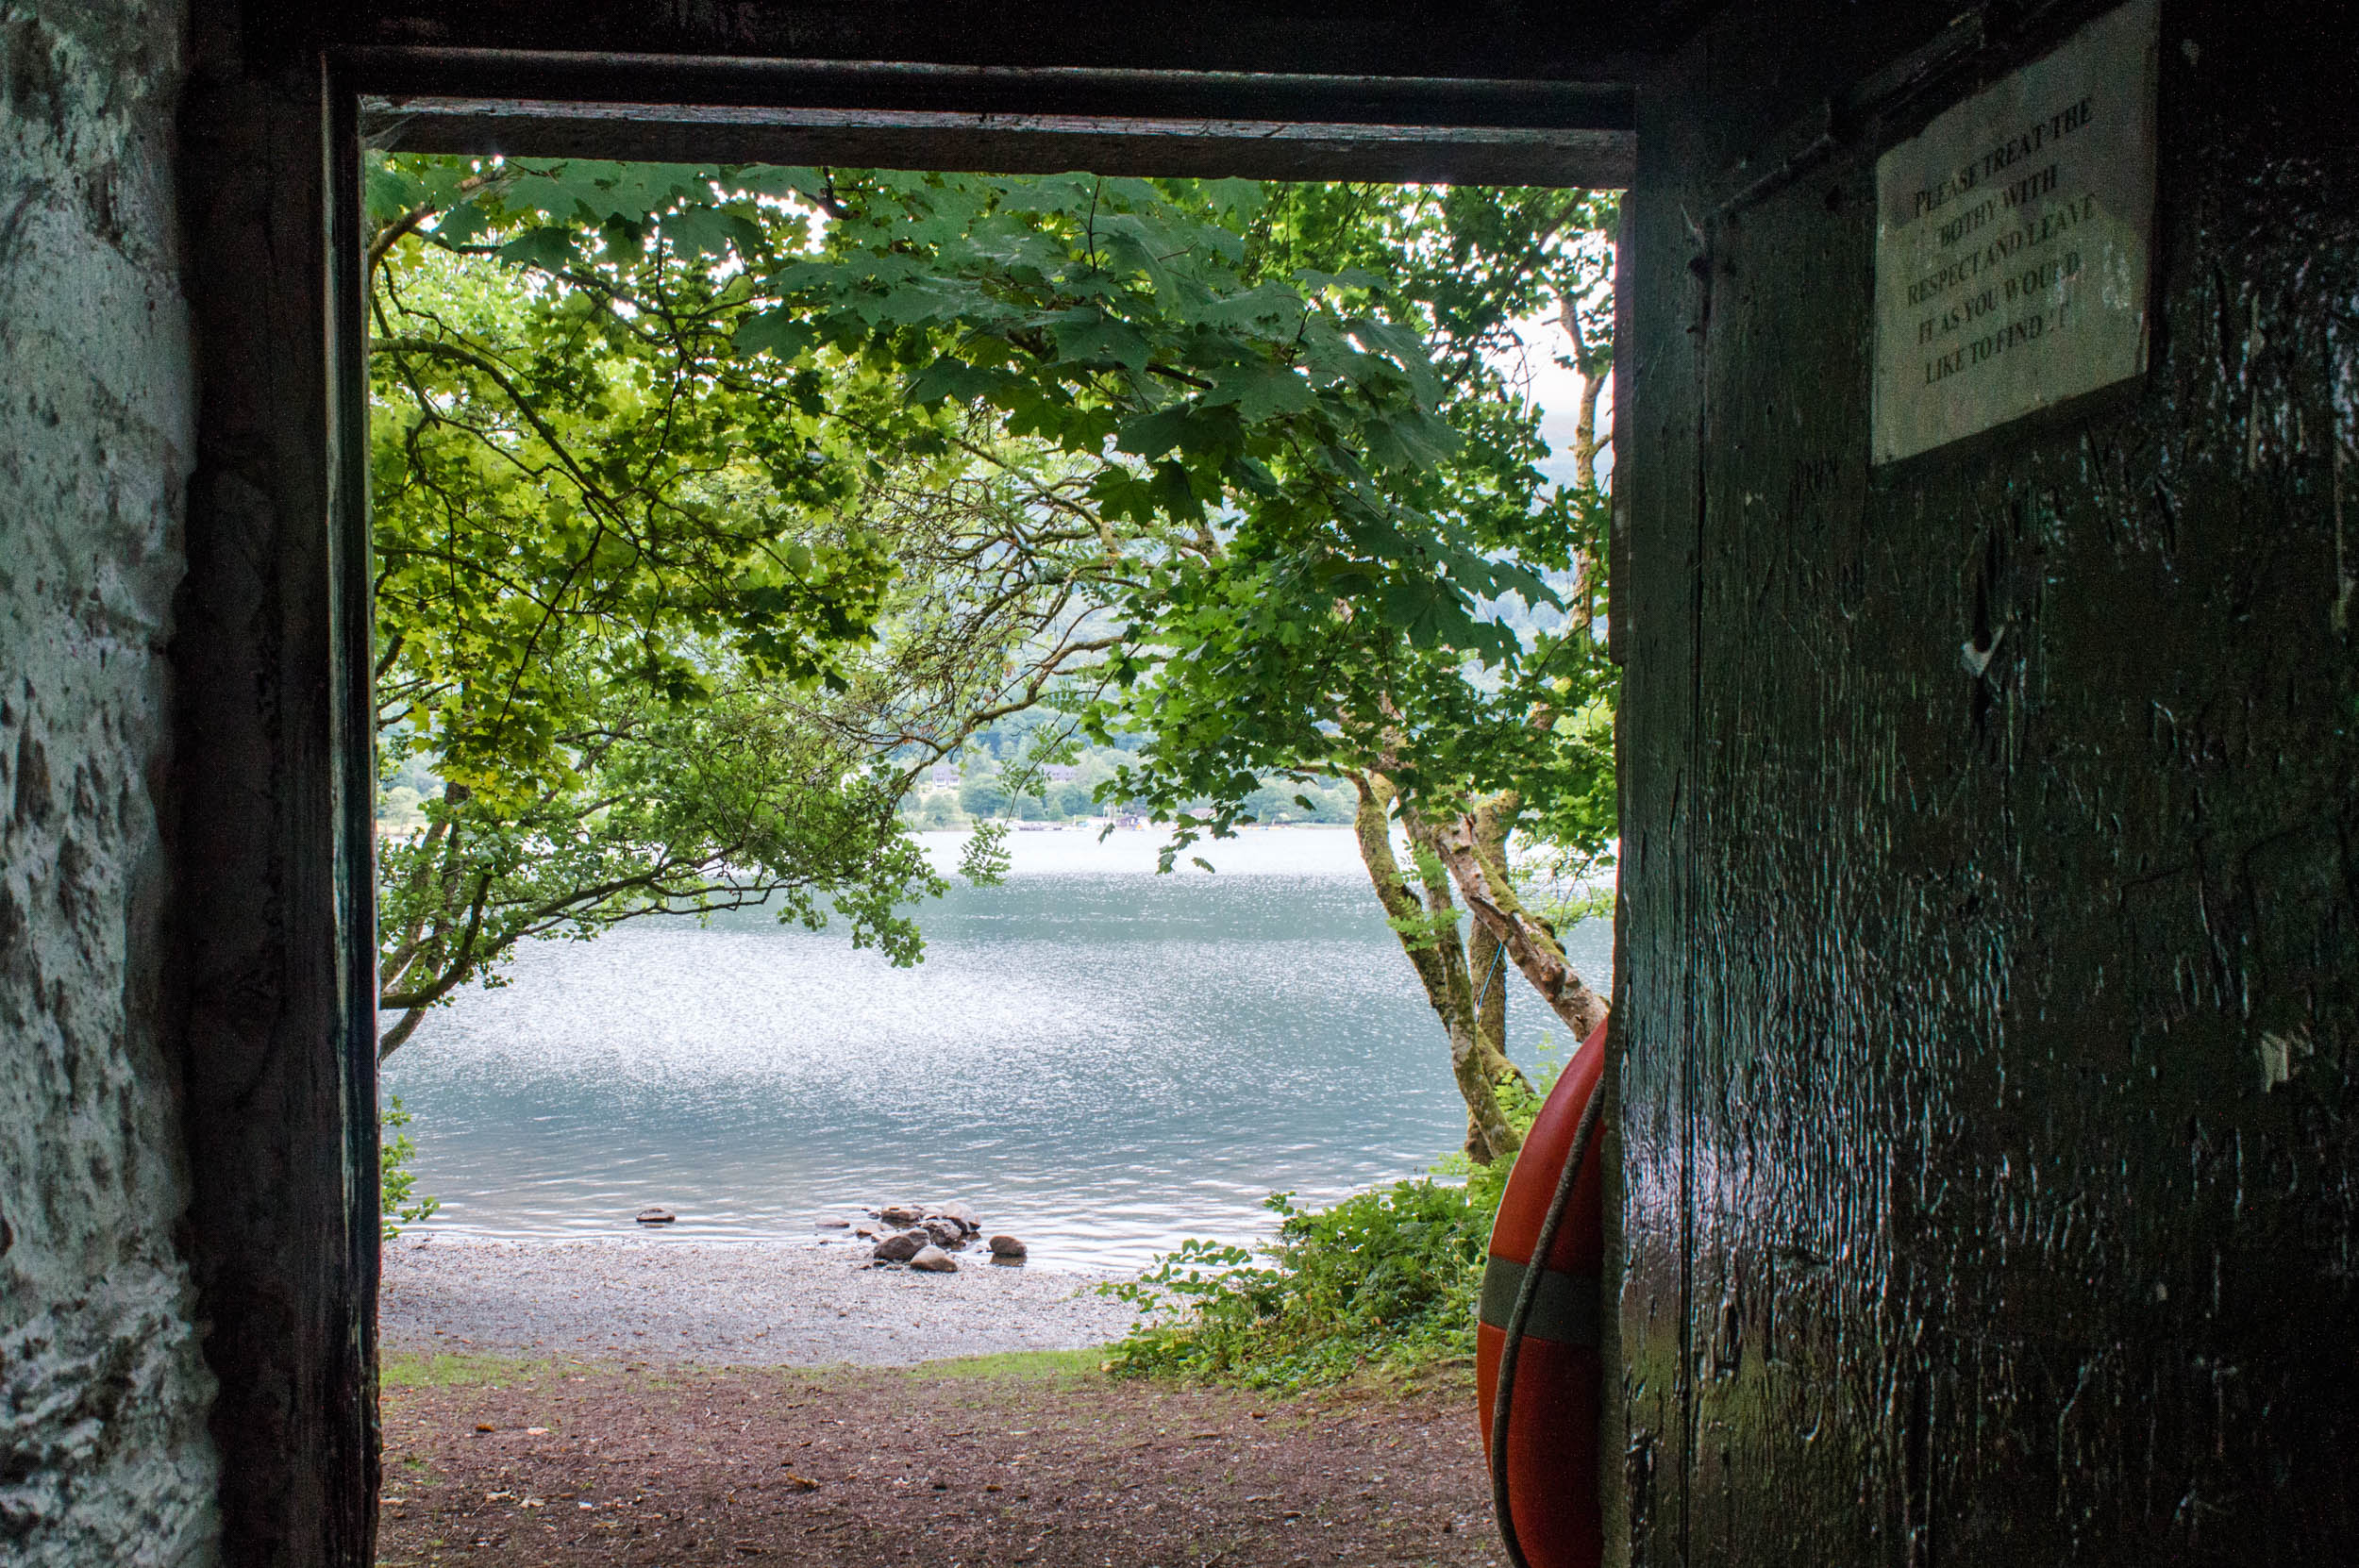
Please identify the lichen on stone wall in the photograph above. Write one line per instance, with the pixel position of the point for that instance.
(104, 1452)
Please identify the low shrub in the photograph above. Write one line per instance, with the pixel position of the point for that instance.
(1384, 1280)
(1381, 1279)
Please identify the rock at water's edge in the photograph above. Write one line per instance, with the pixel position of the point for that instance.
(1007, 1248)
(958, 1211)
(900, 1213)
(947, 1233)
(934, 1261)
(657, 1216)
(901, 1247)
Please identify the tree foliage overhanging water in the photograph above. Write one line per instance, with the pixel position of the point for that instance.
(714, 504)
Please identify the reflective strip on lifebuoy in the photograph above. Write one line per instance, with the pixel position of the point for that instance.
(1566, 1309)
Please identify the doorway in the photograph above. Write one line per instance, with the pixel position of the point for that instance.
(291, 1277)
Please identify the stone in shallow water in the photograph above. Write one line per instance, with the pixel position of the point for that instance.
(959, 1211)
(900, 1213)
(947, 1233)
(657, 1216)
(1006, 1249)
(934, 1261)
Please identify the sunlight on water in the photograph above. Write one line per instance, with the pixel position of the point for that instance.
(1095, 1058)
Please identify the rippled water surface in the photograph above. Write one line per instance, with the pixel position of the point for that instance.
(1095, 1058)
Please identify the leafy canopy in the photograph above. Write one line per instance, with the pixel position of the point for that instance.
(779, 482)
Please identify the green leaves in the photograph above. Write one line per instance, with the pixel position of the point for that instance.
(650, 436)
(1297, 402)
(550, 248)
(1261, 391)
(1090, 338)
(780, 333)
(397, 1203)
(571, 495)
(1386, 1278)
(1079, 308)
(1392, 618)
(614, 570)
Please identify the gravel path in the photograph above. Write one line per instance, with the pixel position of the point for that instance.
(725, 1304)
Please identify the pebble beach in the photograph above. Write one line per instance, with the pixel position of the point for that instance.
(725, 1303)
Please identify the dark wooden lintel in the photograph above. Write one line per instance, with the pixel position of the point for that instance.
(998, 118)
(598, 76)
(1573, 39)
(1034, 143)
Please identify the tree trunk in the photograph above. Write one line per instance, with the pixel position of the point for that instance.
(1486, 961)
(1473, 848)
(406, 1025)
(1591, 365)
(419, 969)
(1428, 935)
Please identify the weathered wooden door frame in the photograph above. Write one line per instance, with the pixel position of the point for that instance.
(274, 777)
(275, 767)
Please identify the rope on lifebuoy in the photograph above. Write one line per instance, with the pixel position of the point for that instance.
(1512, 1341)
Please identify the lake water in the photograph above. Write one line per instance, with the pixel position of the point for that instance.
(1095, 1058)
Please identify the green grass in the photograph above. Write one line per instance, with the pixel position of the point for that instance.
(1033, 1365)
(403, 1370)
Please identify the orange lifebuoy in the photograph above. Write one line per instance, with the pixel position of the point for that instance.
(1544, 1456)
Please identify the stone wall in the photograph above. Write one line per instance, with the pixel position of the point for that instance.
(103, 1453)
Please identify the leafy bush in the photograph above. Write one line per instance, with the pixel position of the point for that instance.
(395, 1180)
(1381, 1279)
(1384, 1280)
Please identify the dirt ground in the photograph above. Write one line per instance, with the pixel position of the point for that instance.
(1037, 1459)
